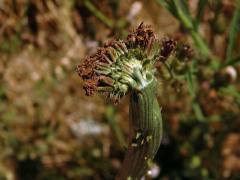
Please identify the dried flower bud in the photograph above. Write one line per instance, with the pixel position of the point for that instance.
(168, 46)
(184, 52)
(142, 37)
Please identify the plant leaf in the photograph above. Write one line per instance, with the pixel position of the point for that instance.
(232, 34)
(232, 62)
(169, 5)
(190, 83)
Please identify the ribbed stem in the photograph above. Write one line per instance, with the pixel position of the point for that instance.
(145, 132)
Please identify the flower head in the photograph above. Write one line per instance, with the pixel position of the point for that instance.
(168, 47)
(121, 65)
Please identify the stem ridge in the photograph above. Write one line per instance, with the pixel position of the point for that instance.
(145, 132)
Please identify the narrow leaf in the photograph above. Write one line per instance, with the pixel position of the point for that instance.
(198, 111)
(185, 7)
(184, 17)
(233, 33)
(108, 22)
(169, 5)
(232, 62)
(190, 83)
(190, 79)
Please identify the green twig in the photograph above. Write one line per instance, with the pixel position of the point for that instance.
(108, 22)
(200, 43)
(180, 11)
(193, 91)
(183, 16)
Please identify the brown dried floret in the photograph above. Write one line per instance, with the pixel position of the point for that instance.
(168, 46)
(104, 57)
(90, 86)
(85, 71)
(143, 36)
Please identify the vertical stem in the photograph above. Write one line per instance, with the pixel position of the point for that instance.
(145, 132)
(200, 44)
(98, 14)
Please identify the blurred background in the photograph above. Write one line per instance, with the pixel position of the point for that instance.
(50, 130)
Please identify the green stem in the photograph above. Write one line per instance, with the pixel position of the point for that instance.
(98, 14)
(145, 132)
(187, 22)
(200, 44)
(183, 17)
(175, 7)
(233, 33)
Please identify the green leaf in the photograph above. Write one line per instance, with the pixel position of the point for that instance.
(108, 22)
(190, 78)
(200, 44)
(184, 17)
(190, 83)
(232, 62)
(192, 90)
(233, 33)
(198, 111)
(185, 7)
(169, 5)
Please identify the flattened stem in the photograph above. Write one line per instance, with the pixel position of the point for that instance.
(145, 132)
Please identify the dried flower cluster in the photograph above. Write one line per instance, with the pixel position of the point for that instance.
(171, 46)
(168, 46)
(121, 65)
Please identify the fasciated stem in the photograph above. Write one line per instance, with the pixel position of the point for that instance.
(145, 132)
